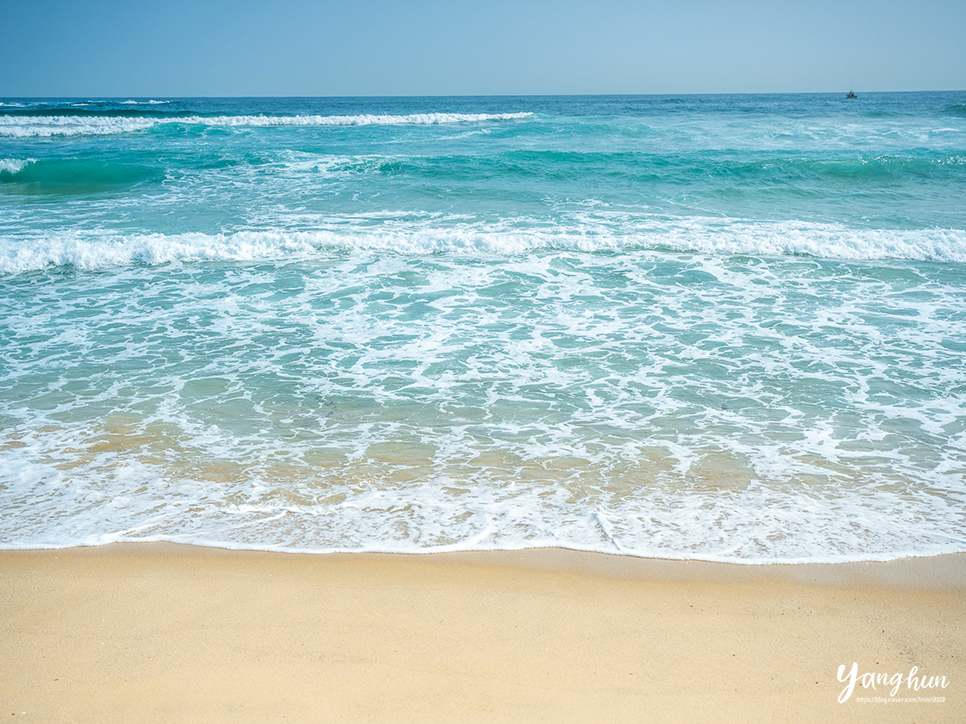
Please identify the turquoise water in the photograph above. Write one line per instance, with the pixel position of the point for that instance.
(718, 327)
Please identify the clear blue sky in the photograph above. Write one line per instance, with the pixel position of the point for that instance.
(457, 47)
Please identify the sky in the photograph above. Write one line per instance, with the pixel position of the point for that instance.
(170, 48)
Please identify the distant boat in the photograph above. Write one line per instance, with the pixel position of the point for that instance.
(851, 95)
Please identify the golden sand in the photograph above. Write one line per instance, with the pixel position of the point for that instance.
(167, 633)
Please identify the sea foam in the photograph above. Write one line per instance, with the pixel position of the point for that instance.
(14, 165)
(98, 250)
(47, 126)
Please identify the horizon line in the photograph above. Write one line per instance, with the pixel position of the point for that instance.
(480, 95)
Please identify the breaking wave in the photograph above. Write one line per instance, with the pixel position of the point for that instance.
(13, 126)
(96, 251)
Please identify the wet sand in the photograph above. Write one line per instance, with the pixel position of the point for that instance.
(173, 633)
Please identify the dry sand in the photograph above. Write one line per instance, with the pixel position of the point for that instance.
(167, 633)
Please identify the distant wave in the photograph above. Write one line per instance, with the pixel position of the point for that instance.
(16, 126)
(70, 175)
(95, 251)
(640, 167)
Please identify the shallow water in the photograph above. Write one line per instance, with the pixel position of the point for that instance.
(721, 327)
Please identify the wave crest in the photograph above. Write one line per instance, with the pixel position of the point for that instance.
(46, 126)
(14, 165)
(95, 251)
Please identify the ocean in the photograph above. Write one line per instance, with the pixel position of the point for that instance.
(722, 327)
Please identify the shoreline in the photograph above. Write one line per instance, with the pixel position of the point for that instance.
(151, 632)
(928, 571)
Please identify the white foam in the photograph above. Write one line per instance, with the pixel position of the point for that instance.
(417, 119)
(826, 241)
(47, 126)
(95, 250)
(448, 403)
(14, 165)
(756, 525)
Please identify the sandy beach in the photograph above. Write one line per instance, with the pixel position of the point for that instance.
(167, 633)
